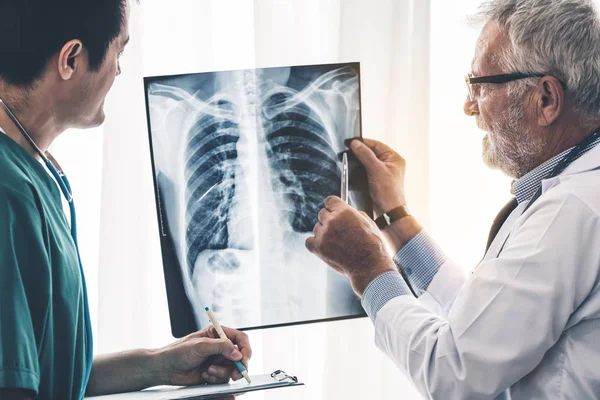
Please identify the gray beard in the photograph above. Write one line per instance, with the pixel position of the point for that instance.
(509, 146)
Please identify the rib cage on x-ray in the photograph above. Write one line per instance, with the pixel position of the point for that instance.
(300, 152)
(210, 158)
(258, 157)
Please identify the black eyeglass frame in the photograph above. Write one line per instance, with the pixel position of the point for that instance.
(497, 79)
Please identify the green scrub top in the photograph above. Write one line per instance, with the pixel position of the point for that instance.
(42, 325)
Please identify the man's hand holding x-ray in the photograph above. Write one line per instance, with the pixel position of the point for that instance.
(349, 240)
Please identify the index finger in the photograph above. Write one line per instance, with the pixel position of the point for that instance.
(242, 341)
(333, 202)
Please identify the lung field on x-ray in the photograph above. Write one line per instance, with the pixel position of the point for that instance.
(253, 154)
(210, 158)
(302, 159)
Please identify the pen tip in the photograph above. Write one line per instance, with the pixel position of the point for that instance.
(205, 308)
(246, 376)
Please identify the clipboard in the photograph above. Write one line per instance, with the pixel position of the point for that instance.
(277, 379)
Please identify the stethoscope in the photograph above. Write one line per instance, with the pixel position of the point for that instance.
(65, 188)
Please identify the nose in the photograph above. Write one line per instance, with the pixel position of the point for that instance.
(470, 107)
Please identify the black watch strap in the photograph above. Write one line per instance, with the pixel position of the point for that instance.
(389, 217)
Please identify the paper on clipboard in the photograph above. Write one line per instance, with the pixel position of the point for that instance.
(277, 379)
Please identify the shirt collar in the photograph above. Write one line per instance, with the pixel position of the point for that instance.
(525, 187)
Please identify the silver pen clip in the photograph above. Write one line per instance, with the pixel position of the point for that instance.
(344, 195)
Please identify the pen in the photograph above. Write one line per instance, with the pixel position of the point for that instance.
(222, 335)
(344, 195)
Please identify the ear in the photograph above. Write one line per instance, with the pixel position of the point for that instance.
(551, 100)
(69, 58)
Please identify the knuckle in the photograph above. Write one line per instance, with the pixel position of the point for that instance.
(344, 213)
(331, 199)
(323, 216)
(201, 341)
(308, 244)
(212, 331)
(195, 335)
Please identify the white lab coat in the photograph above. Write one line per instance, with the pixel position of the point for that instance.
(524, 325)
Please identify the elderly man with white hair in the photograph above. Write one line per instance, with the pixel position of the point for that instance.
(526, 323)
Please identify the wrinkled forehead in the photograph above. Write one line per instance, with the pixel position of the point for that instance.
(491, 43)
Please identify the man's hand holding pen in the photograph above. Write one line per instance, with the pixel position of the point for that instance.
(203, 357)
(350, 242)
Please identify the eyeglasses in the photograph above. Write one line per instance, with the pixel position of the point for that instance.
(474, 82)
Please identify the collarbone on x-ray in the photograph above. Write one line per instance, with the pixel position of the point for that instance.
(251, 155)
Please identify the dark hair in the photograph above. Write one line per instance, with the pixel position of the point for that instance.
(32, 31)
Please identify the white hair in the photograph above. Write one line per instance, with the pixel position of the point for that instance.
(560, 38)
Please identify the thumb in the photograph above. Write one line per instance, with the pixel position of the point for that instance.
(365, 155)
(222, 347)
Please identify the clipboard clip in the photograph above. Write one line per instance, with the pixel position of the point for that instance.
(280, 375)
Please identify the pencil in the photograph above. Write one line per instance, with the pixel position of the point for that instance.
(222, 335)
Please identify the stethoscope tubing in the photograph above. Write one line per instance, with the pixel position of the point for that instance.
(65, 189)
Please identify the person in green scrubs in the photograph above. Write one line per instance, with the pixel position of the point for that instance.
(59, 59)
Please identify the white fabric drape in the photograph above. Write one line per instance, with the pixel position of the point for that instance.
(390, 38)
(465, 194)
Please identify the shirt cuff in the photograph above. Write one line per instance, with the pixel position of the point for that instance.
(19, 379)
(382, 289)
(420, 259)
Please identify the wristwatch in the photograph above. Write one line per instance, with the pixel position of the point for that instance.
(389, 217)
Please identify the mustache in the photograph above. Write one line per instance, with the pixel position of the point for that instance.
(481, 124)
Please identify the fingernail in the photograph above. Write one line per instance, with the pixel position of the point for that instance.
(212, 370)
(236, 354)
(355, 144)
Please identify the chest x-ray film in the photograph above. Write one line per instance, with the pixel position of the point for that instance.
(243, 161)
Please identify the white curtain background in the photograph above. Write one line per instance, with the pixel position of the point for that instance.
(413, 55)
(465, 195)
